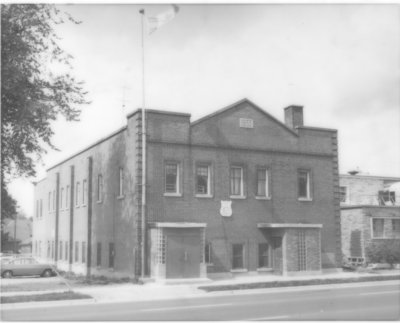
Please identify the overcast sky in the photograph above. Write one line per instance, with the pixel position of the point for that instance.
(341, 62)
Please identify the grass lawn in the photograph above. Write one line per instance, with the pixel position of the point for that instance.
(33, 286)
(298, 283)
(42, 297)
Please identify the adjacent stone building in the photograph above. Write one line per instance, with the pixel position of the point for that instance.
(370, 211)
(234, 192)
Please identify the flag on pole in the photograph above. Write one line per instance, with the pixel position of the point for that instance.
(161, 19)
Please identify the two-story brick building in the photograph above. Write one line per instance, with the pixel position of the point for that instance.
(235, 191)
(370, 212)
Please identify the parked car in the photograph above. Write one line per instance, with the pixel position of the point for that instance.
(25, 267)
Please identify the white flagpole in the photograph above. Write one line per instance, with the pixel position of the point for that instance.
(143, 215)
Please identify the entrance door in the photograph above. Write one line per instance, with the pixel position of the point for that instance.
(277, 253)
(183, 253)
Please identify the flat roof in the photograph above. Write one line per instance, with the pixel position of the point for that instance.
(366, 206)
(288, 225)
(370, 176)
(179, 225)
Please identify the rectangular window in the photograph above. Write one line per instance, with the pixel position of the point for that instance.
(76, 251)
(98, 254)
(246, 123)
(48, 249)
(396, 228)
(84, 191)
(99, 188)
(83, 252)
(343, 194)
(77, 194)
(207, 254)
(303, 178)
(40, 248)
(377, 228)
(54, 200)
(171, 178)
(236, 181)
(203, 179)
(52, 250)
(263, 182)
(67, 197)
(121, 182)
(66, 250)
(37, 208)
(111, 255)
(62, 198)
(387, 198)
(301, 251)
(49, 206)
(237, 256)
(264, 255)
(60, 256)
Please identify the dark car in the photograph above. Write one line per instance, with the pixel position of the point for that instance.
(25, 267)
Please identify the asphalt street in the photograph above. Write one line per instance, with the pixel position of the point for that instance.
(363, 303)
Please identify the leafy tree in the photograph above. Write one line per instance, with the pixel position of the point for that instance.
(37, 87)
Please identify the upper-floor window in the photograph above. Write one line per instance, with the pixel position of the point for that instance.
(121, 182)
(77, 193)
(41, 208)
(54, 200)
(84, 191)
(203, 180)
(304, 185)
(236, 181)
(343, 194)
(262, 182)
(377, 228)
(99, 187)
(49, 204)
(62, 198)
(66, 197)
(172, 177)
(37, 208)
(387, 198)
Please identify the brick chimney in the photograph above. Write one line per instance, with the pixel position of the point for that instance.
(294, 116)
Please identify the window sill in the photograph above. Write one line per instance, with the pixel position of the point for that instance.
(265, 269)
(304, 199)
(120, 197)
(262, 198)
(242, 270)
(204, 196)
(173, 194)
(237, 197)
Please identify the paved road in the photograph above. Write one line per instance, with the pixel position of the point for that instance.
(379, 302)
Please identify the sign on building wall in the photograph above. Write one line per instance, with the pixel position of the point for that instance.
(226, 208)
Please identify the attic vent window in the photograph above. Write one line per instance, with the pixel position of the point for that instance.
(246, 123)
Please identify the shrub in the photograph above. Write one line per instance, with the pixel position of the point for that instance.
(384, 251)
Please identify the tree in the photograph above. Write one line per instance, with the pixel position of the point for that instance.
(36, 88)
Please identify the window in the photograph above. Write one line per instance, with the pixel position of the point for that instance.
(83, 252)
(99, 187)
(66, 250)
(37, 208)
(377, 228)
(343, 194)
(54, 200)
(48, 249)
(207, 254)
(67, 197)
(40, 248)
(111, 255)
(203, 179)
(387, 198)
(236, 181)
(172, 178)
(76, 251)
(237, 256)
(60, 256)
(98, 254)
(62, 198)
(77, 194)
(303, 177)
(52, 250)
(263, 182)
(49, 206)
(264, 255)
(121, 182)
(84, 191)
(396, 228)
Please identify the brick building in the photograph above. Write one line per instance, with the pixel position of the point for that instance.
(370, 212)
(236, 191)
